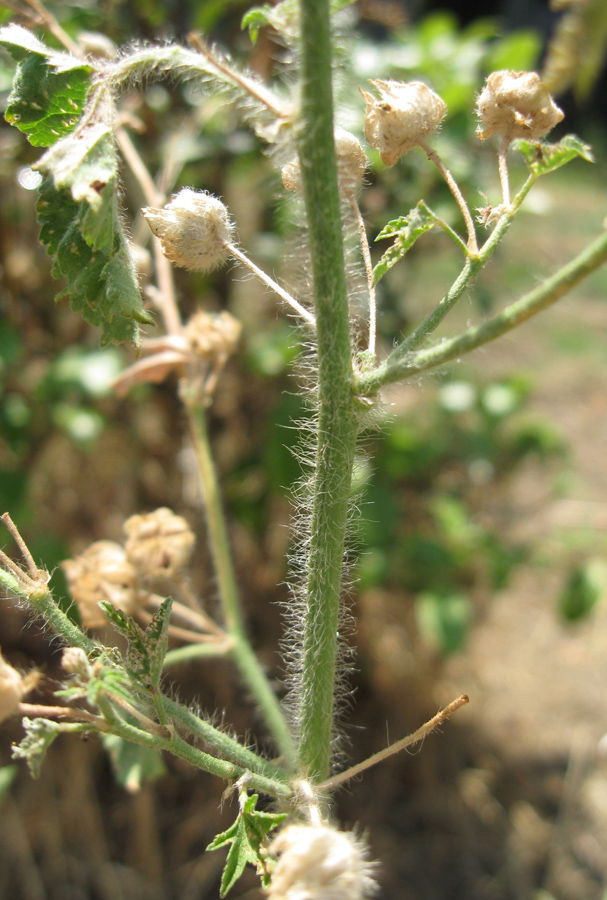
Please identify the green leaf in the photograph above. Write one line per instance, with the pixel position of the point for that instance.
(406, 230)
(245, 837)
(543, 157)
(7, 775)
(39, 735)
(585, 586)
(146, 649)
(49, 89)
(444, 619)
(255, 19)
(133, 764)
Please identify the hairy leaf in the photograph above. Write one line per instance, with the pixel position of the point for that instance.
(406, 231)
(49, 89)
(245, 838)
(544, 157)
(146, 649)
(39, 735)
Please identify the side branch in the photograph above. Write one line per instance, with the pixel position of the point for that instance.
(397, 746)
(560, 284)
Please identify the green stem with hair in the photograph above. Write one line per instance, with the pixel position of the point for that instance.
(337, 418)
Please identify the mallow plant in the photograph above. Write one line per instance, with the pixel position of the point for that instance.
(69, 102)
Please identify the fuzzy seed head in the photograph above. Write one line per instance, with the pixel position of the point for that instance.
(193, 229)
(211, 336)
(403, 117)
(12, 690)
(351, 165)
(74, 661)
(516, 105)
(158, 543)
(102, 572)
(319, 863)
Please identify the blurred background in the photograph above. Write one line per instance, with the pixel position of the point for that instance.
(480, 553)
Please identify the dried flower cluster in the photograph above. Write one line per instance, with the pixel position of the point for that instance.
(158, 543)
(516, 105)
(403, 117)
(193, 228)
(320, 863)
(351, 165)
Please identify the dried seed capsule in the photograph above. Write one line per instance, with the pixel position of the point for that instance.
(12, 690)
(193, 229)
(102, 572)
(351, 165)
(403, 117)
(211, 336)
(74, 661)
(318, 863)
(516, 105)
(158, 543)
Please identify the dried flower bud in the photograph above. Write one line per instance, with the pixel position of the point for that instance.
(158, 543)
(74, 661)
(102, 572)
(12, 689)
(516, 105)
(193, 228)
(210, 336)
(351, 165)
(403, 117)
(319, 863)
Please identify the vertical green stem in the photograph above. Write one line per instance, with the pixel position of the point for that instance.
(337, 425)
(241, 650)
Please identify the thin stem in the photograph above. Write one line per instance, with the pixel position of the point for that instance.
(364, 245)
(256, 90)
(337, 420)
(166, 299)
(471, 268)
(228, 747)
(27, 556)
(269, 282)
(502, 162)
(55, 28)
(180, 748)
(193, 617)
(459, 199)
(405, 742)
(198, 651)
(242, 654)
(148, 724)
(555, 287)
(62, 712)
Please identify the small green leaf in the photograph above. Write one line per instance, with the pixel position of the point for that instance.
(246, 836)
(146, 649)
(49, 89)
(255, 19)
(444, 619)
(39, 735)
(585, 586)
(133, 764)
(543, 157)
(406, 230)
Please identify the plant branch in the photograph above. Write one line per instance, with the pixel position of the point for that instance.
(502, 162)
(337, 421)
(62, 712)
(198, 651)
(558, 285)
(453, 186)
(364, 245)
(269, 282)
(405, 742)
(242, 654)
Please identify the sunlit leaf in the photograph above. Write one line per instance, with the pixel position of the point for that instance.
(543, 157)
(405, 230)
(49, 89)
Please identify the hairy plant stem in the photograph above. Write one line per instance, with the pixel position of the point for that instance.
(337, 420)
(178, 747)
(240, 651)
(399, 366)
